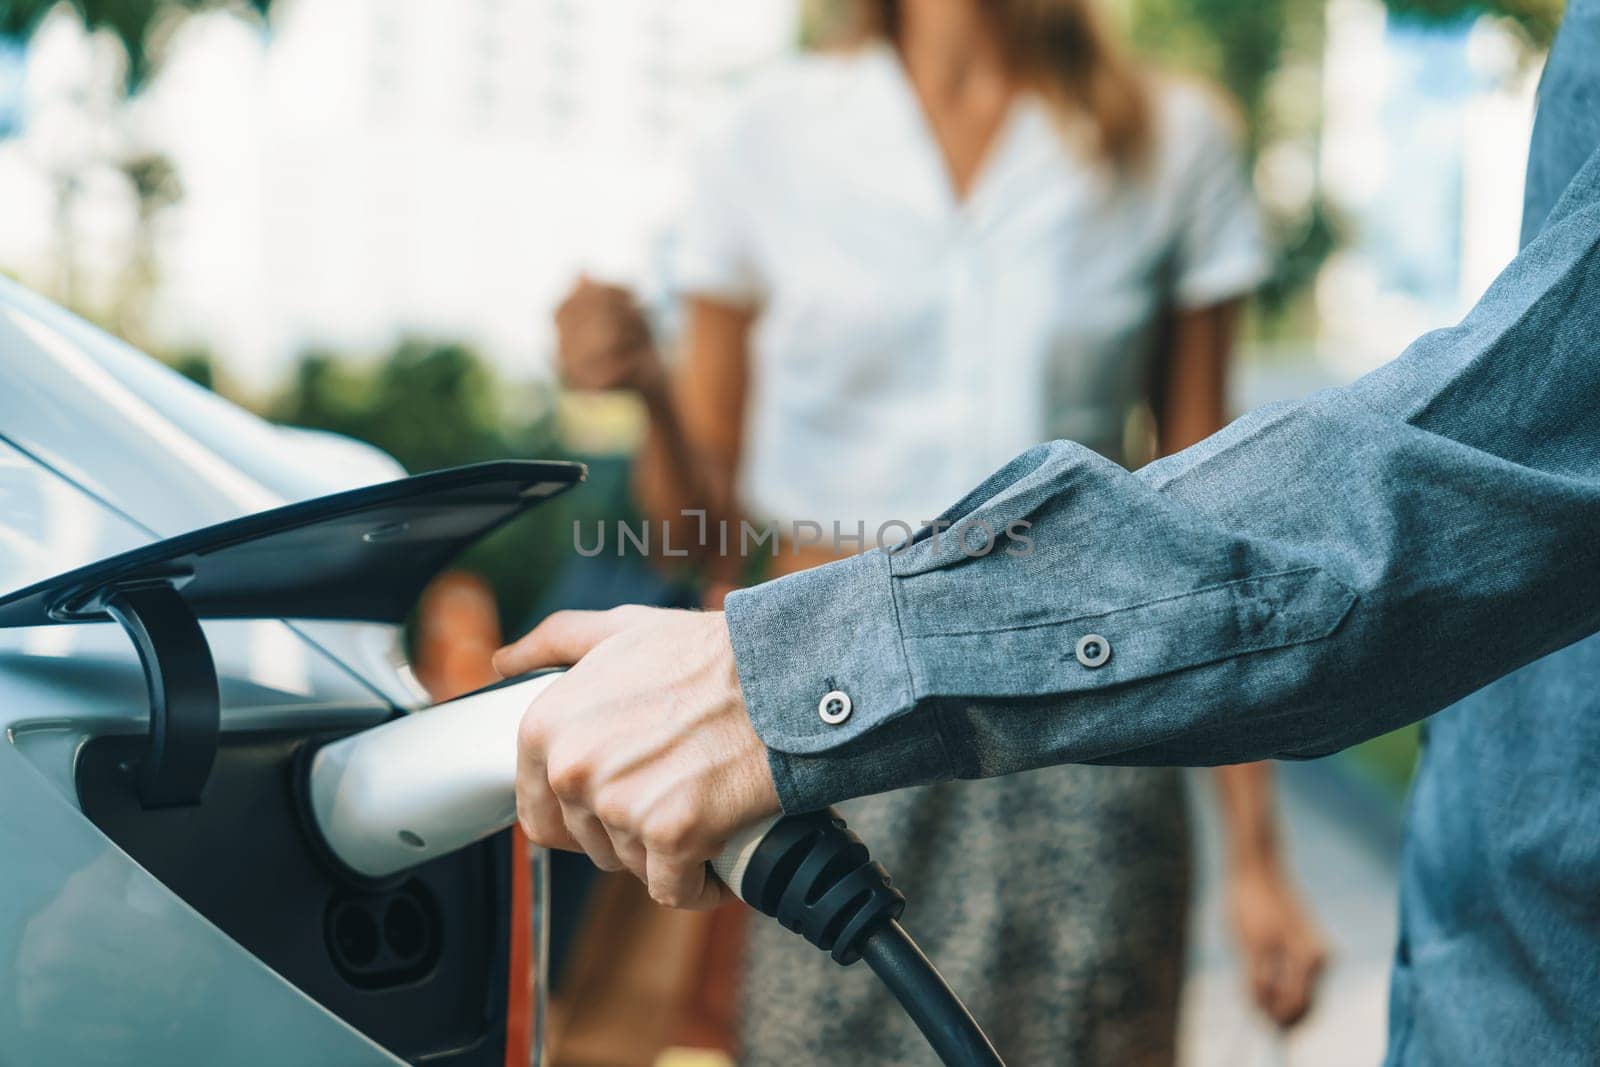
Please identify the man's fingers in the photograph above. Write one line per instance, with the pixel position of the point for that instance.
(539, 815)
(538, 810)
(647, 736)
(679, 883)
(562, 639)
(588, 832)
(632, 855)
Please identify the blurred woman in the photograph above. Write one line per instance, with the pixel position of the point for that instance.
(982, 229)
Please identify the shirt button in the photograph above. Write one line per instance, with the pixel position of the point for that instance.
(834, 707)
(1093, 650)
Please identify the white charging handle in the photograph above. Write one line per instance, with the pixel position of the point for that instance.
(428, 783)
(422, 785)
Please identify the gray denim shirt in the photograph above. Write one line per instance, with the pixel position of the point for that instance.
(1315, 574)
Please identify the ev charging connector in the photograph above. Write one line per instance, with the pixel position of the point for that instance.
(423, 785)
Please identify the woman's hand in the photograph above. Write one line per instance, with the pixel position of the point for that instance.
(603, 340)
(1282, 949)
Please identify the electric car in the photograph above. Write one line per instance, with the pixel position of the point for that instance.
(191, 599)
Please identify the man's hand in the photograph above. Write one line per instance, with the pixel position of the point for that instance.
(642, 754)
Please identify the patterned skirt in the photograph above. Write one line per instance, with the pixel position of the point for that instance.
(1054, 902)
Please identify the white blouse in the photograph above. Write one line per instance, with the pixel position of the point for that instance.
(908, 342)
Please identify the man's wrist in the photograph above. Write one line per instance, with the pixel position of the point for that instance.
(826, 684)
(906, 752)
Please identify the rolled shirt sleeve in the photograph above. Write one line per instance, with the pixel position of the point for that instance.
(1313, 575)
(1221, 249)
(715, 251)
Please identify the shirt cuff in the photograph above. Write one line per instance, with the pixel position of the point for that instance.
(698, 273)
(1223, 279)
(824, 675)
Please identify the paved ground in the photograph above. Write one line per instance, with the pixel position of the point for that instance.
(1343, 843)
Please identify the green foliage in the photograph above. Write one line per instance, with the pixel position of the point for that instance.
(129, 20)
(428, 405)
(1303, 245)
(1392, 758)
(1537, 19)
(1240, 43)
(195, 364)
(433, 405)
(155, 182)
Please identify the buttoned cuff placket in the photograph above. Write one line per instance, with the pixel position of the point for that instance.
(823, 669)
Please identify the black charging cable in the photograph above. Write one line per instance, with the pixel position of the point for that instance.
(815, 876)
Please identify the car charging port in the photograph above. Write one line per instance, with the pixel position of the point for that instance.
(383, 939)
(416, 962)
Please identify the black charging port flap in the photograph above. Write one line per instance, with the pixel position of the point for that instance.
(362, 555)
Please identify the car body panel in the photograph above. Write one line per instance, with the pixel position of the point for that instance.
(102, 451)
(100, 962)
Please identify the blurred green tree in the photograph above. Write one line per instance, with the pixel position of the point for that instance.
(156, 187)
(1537, 19)
(428, 404)
(438, 404)
(1239, 44)
(129, 20)
(134, 23)
(196, 364)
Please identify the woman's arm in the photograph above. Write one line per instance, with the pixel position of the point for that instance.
(1280, 946)
(1195, 376)
(691, 452)
(691, 447)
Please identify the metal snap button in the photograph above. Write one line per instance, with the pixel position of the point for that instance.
(834, 707)
(1093, 650)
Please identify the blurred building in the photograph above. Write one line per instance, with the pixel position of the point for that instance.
(1425, 134)
(371, 167)
(376, 166)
